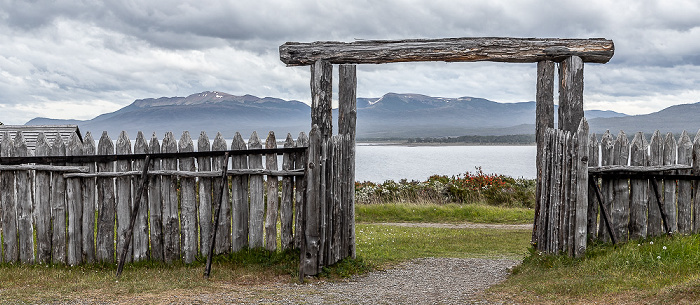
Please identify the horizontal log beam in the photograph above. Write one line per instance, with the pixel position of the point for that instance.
(636, 169)
(48, 168)
(501, 49)
(189, 174)
(110, 158)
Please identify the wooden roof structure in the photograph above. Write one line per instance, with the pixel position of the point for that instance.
(31, 133)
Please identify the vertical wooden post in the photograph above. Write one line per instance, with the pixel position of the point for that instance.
(685, 157)
(656, 149)
(312, 218)
(106, 206)
(286, 206)
(42, 208)
(140, 230)
(300, 185)
(321, 97)
(638, 189)
(188, 205)
(58, 207)
(570, 93)
(347, 125)
(24, 204)
(544, 120)
(74, 202)
(272, 195)
(171, 225)
(593, 160)
(696, 184)
(123, 186)
(257, 204)
(606, 158)
(89, 186)
(205, 200)
(581, 165)
(669, 157)
(222, 242)
(8, 205)
(621, 191)
(239, 191)
(155, 203)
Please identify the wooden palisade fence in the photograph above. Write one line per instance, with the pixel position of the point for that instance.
(649, 187)
(80, 211)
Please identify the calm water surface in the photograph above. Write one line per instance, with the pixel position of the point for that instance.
(378, 163)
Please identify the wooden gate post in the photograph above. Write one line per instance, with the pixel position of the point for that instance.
(570, 93)
(544, 120)
(347, 122)
(321, 97)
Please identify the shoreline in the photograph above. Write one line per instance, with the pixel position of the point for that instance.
(396, 143)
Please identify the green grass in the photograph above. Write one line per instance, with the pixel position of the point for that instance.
(441, 213)
(656, 270)
(379, 245)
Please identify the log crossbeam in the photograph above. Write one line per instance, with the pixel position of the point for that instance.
(471, 49)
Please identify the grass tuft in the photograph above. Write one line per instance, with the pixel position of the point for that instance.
(652, 270)
(442, 213)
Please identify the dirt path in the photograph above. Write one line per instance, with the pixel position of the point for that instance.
(467, 225)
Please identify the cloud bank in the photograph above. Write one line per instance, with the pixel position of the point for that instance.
(78, 59)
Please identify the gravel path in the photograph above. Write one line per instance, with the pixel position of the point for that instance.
(420, 281)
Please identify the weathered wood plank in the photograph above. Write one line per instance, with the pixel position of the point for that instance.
(685, 156)
(541, 218)
(638, 189)
(669, 158)
(58, 208)
(287, 202)
(23, 182)
(324, 202)
(347, 121)
(123, 189)
(155, 203)
(656, 148)
(8, 205)
(321, 97)
(581, 165)
(565, 194)
(593, 160)
(621, 193)
(171, 226)
(570, 93)
(272, 196)
(696, 184)
(257, 204)
(300, 187)
(544, 120)
(89, 205)
(74, 203)
(239, 185)
(42, 204)
(205, 197)
(106, 205)
(336, 204)
(555, 200)
(139, 235)
(312, 218)
(606, 158)
(468, 49)
(188, 205)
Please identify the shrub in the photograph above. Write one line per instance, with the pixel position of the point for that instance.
(469, 187)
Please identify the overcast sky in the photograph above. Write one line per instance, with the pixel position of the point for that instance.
(78, 59)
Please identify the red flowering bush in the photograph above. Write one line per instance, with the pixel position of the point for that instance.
(464, 188)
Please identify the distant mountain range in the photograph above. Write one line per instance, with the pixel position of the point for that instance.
(391, 116)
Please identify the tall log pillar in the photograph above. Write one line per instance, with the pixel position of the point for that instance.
(347, 122)
(570, 93)
(544, 120)
(321, 97)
